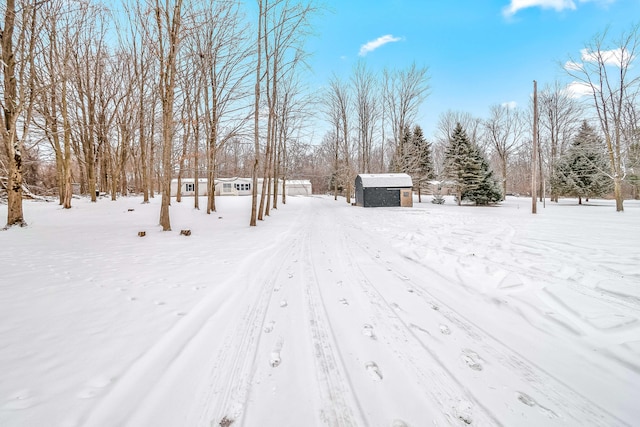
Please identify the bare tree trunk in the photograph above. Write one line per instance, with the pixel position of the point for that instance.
(256, 121)
(152, 150)
(169, 27)
(196, 159)
(66, 132)
(17, 81)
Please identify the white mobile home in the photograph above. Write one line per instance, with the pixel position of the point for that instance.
(224, 187)
(233, 186)
(188, 187)
(237, 187)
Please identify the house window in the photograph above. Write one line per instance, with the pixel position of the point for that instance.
(243, 187)
(190, 186)
(226, 187)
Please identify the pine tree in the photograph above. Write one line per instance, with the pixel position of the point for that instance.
(487, 190)
(400, 163)
(469, 171)
(456, 163)
(581, 171)
(420, 163)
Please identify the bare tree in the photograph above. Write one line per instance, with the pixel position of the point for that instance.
(222, 52)
(62, 27)
(144, 70)
(256, 114)
(504, 131)
(404, 92)
(18, 79)
(338, 109)
(605, 72)
(560, 114)
(168, 37)
(89, 69)
(286, 24)
(367, 109)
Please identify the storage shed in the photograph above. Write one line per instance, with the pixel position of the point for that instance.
(384, 189)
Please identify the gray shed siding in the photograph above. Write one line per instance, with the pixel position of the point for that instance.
(371, 191)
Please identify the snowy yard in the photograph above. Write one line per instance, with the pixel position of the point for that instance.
(324, 314)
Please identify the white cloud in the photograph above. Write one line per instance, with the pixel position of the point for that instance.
(614, 57)
(557, 5)
(510, 105)
(579, 89)
(374, 44)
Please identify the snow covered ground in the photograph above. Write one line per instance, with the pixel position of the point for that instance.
(324, 314)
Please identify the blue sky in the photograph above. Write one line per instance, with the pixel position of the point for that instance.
(479, 52)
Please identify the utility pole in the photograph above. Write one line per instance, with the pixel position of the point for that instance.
(534, 154)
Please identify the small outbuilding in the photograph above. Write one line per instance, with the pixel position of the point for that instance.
(384, 189)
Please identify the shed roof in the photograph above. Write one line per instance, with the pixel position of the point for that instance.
(386, 180)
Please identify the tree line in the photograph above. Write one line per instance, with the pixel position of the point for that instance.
(127, 100)
(121, 100)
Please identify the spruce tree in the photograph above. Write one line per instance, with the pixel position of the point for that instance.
(400, 163)
(581, 171)
(421, 163)
(487, 190)
(469, 171)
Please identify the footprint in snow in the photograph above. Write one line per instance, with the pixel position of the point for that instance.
(444, 329)
(159, 302)
(398, 423)
(472, 359)
(275, 354)
(269, 327)
(367, 331)
(344, 301)
(463, 412)
(373, 370)
(275, 359)
(283, 303)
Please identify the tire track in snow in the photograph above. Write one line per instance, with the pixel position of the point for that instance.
(569, 404)
(336, 391)
(453, 402)
(231, 374)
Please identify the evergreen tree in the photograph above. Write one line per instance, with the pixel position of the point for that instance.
(421, 162)
(581, 171)
(469, 171)
(487, 190)
(400, 163)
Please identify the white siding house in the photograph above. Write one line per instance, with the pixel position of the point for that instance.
(189, 187)
(236, 187)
